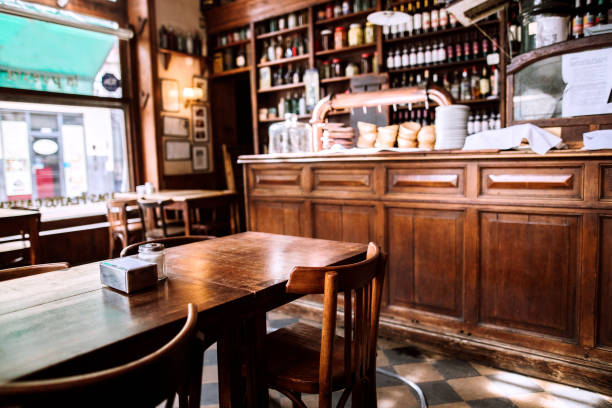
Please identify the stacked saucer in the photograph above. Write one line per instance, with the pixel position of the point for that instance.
(337, 133)
(451, 126)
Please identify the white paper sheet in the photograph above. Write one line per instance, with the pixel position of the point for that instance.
(599, 139)
(539, 140)
(588, 76)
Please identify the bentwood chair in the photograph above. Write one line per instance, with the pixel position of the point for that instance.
(23, 271)
(121, 227)
(306, 359)
(168, 243)
(146, 382)
(154, 222)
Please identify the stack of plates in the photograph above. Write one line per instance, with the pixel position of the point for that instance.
(451, 126)
(338, 134)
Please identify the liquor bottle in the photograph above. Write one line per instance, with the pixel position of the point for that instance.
(410, 21)
(467, 49)
(494, 82)
(427, 55)
(297, 77)
(418, 18)
(163, 37)
(426, 78)
(413, 57)
(402, 27)
(485, 83)
(450, 53)
(435, 79)
(435, 15)
(404, 82)
(484, 122)
(443, 17)
(577, 21)
(386, 32)
(514, 28)
(288, 48)
(476, 48)
(397, 59)
(484, 47)
(390, 60)
(441, 52)
(452, 20)
(602, 13)
(278, 51)
(459, 51)
(491, 121)
(420, 56)
(455, 88)
(426, 17)
(589, 15)
(465, 93)
(405, 58)
(434, 53)
(419, 80)
(411, 81)
(477, 124)
(474, 84)
(470, 125)
(241, 58)
(394, 28)
(271, 50)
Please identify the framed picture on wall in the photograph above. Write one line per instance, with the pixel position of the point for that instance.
(200, 158)
(202, 83)
(177, 150)
(171, 99)
(199, 123)
(175, 126)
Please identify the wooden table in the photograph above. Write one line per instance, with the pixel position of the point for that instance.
(16, 222)
(188, 200)
(61, 318)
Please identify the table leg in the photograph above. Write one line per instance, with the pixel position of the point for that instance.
(229, 367)
(257, 386)
(232, 217)
(187, 218)
(34, 239)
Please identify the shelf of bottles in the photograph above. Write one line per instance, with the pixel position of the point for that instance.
(433, 48)
(479, 119)
(282, 57)
(230, 52)
(344, 43)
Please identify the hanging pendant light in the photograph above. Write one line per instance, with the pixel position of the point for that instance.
(388, 18)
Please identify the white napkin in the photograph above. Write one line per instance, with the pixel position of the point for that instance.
(539, 140)
(598, 139)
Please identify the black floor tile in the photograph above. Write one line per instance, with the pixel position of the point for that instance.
(404, 355)
(492, 403)
(455, 369)
(439, 392)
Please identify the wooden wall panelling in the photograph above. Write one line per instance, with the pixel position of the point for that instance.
(426, 259)
(604, 315)
(529, 272)
(606, 182)
(344, 221)
(284, 217)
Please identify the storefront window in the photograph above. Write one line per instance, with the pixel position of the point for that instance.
(54, 155)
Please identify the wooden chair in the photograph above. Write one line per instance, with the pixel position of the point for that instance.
(23, 271)
(168, 243)
(305, 359)
(120, 226)
(155, 224)
(148, 381)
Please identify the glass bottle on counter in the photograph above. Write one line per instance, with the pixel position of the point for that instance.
(577, 22)
(455, 88)
(465, 93)
(474, 84)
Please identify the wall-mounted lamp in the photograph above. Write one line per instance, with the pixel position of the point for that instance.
(191, 95)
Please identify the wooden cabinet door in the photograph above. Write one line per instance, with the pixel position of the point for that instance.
(605, 282)
(529, 268)
(278, 217)
(344, 222)
(426, 259)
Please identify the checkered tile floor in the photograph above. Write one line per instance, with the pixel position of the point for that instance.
(446, 382)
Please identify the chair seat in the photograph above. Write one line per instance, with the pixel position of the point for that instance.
(171, 231)
(293, 359)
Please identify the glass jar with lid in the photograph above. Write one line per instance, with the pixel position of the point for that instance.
(326, 70)
(336, 67)
(366, 63)
(290, 136)
(154, 253)
(326, 39)
(351, 69)
(339, 37)
(369, 35)
(355, 35)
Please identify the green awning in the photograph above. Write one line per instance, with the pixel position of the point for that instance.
(50, 57)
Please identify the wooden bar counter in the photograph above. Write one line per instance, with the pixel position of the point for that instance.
(502, 257)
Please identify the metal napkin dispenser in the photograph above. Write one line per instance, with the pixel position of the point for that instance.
(128, 274)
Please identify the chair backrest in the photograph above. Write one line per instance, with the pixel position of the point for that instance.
(229, 169)
(23, 271)
(147, 381)
(168, 243)
(117, 212)
(362, 284)
(149, 214)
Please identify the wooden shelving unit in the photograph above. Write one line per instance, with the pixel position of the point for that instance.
(231, 47)
(168, 54)
(283, 32)
(314, 56)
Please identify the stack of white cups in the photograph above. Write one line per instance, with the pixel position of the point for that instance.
(451, 126)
